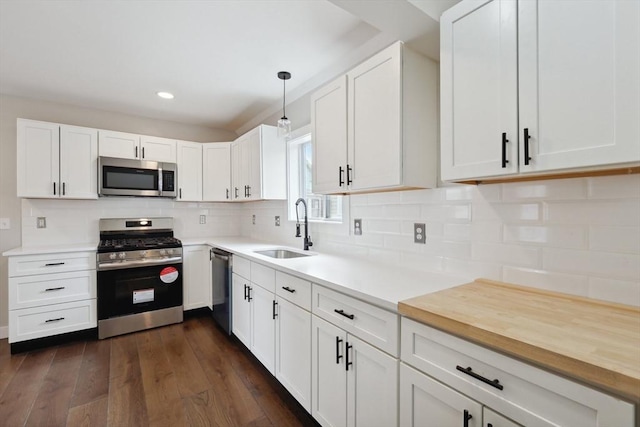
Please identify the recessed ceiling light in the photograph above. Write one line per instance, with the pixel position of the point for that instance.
(165, 95)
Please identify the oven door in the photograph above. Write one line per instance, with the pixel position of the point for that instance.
(139, 289)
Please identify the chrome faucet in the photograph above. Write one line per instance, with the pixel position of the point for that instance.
(307, 238)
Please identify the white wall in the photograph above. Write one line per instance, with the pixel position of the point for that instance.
(11, 207)
(579, 236)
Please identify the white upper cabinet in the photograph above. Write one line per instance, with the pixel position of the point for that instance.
(132, 146)
(56, 160)
(381, 117)
(539, 86)
(258, 165)
(216, 169)
(189, 171)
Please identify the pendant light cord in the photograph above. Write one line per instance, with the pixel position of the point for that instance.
(284, 92)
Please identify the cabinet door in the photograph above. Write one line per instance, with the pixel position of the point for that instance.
(328, 375)
(252, 156)
(372, 385)
(189, 171)
(236, 171)
(38, 159)
(479, 98)
(197, 277)
(157, 149)
(118, 144)
(78, 162)
(374, 121)
(426, 402)
(263, 331)
(293, 351)
(329, 133)
(579, 64)
(241, 310)
(492, 419)
(216, 170)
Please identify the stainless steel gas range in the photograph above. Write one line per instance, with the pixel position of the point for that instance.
(139, 277)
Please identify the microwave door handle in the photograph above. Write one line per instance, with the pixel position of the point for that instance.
(160, 181)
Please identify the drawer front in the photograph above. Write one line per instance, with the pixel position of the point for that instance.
(33, 291)
(263, 276)
(294, 289)
(548, 399)
(38, 322)
(374, 325)
(51, 263)
(242, 267)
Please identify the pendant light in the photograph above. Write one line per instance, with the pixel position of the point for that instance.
(284, 124)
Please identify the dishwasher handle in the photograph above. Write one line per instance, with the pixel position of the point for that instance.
(222, 255)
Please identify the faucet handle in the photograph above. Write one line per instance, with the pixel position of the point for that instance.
(298, 230)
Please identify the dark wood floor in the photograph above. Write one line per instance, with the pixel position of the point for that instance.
(185, 374)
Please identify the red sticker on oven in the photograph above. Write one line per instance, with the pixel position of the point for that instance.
(169, 274)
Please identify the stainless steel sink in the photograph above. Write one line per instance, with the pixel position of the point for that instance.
(281, 253)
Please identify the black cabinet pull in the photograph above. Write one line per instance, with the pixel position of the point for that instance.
(180, 191)
(54, 320)
(227, 194)
(245, 292)
(54, 188)
(288, 289)
(349, 170)
(53, 264)
(274, 309)
(504, 149)
(245, 191)
(469, 371)
(136, 152)
(340, 176)
(346, 352)
(338, 355)
(467, 417)
(527, 137)
(248, 191)
(54, 289)
(236, 191)
(249, 293)
(64, 188)
(143, 152)
(342, 313)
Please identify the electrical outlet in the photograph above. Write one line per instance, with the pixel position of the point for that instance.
(42, 222)
(5, 223)
(203, 219)
(253, 219)
(419, 231)
(357, 227)
(277, 220)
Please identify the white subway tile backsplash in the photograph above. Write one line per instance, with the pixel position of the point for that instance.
(459, 193)
(592, 263)
(566, 189)
(619, 291)
(615, 239)
(422, 262)
(565, 236)
(457, 232)
(475, 269)
(402, 211)
(592, 212)
(560, 282)
(434, 195)
(382, 226)
(614, 187)
(516, 255)
(486, 231)
(508, 213)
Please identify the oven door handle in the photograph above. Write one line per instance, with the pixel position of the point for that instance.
(141, 263)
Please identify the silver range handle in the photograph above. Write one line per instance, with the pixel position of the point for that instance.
(138, 263)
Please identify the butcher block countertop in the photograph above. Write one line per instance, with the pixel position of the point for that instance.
(594, 342)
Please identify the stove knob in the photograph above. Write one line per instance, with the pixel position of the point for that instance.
(112, 255)
(170, 251)
(163, 252)
(122, 255)
(143, 254)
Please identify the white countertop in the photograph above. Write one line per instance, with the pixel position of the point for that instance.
(382, 285)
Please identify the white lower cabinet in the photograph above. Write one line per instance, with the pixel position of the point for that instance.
(493, 419)
(354, 383)
(293, 351)
(425, 402)
(196, 269)
(241, 309)
(520, 392)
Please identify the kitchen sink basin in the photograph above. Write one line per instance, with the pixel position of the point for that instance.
(281, 253)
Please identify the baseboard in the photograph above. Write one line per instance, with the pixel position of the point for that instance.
(4, 332)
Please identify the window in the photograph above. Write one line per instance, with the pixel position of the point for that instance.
(319, 207)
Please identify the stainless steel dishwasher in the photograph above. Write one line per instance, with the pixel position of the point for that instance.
(221, 293)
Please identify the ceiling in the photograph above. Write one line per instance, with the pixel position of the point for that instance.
(218, 57)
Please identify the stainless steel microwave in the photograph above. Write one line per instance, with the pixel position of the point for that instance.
(127, 177)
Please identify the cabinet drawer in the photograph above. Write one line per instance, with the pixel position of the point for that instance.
(544, 396)
(38, 322)
(33, 291)
(242, 267)
(51, 263)
(374, 325)
(294, 289)
(263, 276)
